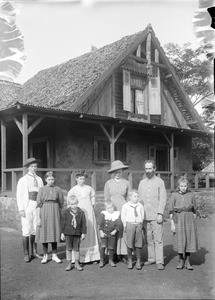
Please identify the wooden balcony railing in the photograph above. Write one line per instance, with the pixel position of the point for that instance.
(65, 178)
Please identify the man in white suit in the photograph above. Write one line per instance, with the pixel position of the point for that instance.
(27, 189)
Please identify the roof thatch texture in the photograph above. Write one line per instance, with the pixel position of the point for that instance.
(61, 86)
(8, 93)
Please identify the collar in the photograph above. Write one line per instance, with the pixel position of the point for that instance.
(133, 204)
(112, 217)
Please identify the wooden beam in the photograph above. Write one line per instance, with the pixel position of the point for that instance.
(24, 139)
(172, 166)
(112, 145)
(105, 131)
(34, 125)
(113, 96)
(3, 156)
(19, 125)
(145, 61)
(167, 139)
(119, 133)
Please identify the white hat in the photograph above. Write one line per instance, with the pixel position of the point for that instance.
(117, 165)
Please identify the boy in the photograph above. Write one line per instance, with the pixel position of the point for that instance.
(109, 224)
(132, 216)
(73, 231)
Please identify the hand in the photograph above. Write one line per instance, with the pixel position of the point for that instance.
(22, 213)
(172, 226)
(82, 236)
(159, 219)
(62, 237)
(39, 223)
(102, 234)
(113, 232)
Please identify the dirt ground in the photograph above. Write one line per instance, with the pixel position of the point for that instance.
(35, 281)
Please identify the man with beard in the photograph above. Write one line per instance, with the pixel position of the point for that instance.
(152, 194)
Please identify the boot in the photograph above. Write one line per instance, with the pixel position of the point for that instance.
(77, 265)
(69, 267)
(187, 264)
(102, 256)
(34, 253)
(181, 262)
(25, 243)
(129, 263)
(138, 264)
(111, 262)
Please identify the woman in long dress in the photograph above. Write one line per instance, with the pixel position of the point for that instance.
(50, 200)
(89, 248)
(116, 189)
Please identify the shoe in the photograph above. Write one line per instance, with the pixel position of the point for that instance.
(180, 265)
(36, 255)
(130, 264)
(188, 266)
(101, 263)
(69, 267)
(138, 264)
(160, 267)
(148, 263)
(56, 258)
(45, 259)
(27, 259)
(111, 263)
(78, 266)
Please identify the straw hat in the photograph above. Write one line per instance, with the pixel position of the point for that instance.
(30, 161)
(117, 165)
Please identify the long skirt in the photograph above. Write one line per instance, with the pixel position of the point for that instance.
(50, 230)
(186, 236)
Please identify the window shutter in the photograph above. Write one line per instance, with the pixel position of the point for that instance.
(154, 96)
(139, 51)
(126, 90)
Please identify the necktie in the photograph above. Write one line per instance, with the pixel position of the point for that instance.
(135, 211)
(74, 222)
(35, 183)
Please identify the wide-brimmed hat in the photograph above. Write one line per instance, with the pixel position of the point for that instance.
(30, 161)
(117, 165)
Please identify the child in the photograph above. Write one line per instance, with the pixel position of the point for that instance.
(109, 224)
(73, 231)
(132, 218)
(183, 224)
(49, 201)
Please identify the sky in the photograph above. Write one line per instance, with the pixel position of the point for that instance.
(56, 31)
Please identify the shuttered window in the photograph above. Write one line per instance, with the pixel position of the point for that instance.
(154, 96)
(126, 90)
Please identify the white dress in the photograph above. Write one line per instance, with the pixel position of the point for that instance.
(89, 248)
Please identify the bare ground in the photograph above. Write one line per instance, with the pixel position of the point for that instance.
(35, 281)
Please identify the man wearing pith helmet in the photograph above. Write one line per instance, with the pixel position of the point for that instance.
(27, 189)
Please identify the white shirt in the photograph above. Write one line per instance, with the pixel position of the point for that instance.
(128, 213)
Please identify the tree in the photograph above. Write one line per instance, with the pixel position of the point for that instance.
(193, 69)
(12, 55)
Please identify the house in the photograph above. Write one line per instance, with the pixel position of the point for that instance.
(122, 101)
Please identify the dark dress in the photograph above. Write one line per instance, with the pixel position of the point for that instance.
(50, 199)
(186, 236)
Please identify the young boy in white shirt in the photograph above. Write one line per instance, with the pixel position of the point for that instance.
(132, 216)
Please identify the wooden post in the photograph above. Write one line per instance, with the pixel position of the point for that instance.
(93, 180)
(24, 139)
(3, 156)
(196, 181)
(207, 181)
(172, 167)
(130, 179)
(112, 145)
(14, 182)
(72, 179)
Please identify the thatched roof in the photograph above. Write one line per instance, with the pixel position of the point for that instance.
(62, 86)
(209, 168)
(8, 93)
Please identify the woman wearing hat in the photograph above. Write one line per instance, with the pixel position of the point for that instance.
(89, 248)
(116, 189)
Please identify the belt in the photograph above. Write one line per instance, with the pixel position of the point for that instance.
(179, 210)
(32, 196)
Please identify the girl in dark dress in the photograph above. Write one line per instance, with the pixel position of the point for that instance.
(49, 201)
(183, 223)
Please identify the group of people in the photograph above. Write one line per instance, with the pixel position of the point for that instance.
(119, 232)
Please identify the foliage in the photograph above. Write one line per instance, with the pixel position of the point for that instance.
(205, 204)
(202, 152)
(193, 69)
(12, 43)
